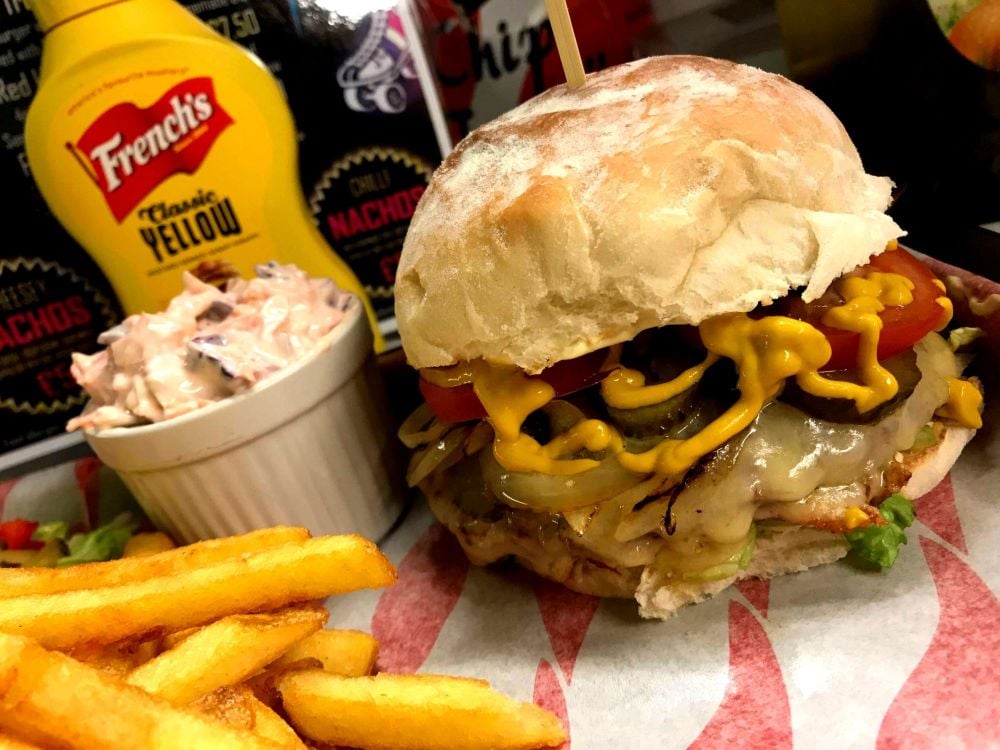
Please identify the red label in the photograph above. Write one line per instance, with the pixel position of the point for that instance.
(128, 151)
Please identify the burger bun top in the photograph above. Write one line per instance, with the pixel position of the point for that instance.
(663, 191)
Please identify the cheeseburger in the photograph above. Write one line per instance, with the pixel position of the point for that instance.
(666, 339)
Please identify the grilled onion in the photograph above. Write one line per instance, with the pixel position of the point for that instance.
(557, 493)
(421, 428)
(435, 455)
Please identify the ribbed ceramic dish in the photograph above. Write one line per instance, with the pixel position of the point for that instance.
(312, 446)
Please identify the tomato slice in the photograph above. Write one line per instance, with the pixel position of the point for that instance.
(457, 404)
(902, 327)
(16, 534)
(461, 404)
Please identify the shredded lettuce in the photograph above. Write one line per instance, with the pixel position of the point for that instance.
(106, 542)
(925, 438)
(878, 546)
(730, 567)
(54, 531)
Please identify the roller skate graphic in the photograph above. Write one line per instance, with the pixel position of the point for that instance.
(371, 76)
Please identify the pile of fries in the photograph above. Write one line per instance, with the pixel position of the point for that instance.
(221, 645)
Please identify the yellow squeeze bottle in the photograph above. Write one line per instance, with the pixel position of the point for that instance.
(164, 147)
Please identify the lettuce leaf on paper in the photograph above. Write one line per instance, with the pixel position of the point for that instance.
(103, 543)
(878, 546)
(57, 547)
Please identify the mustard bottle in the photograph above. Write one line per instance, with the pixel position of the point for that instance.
(164, 147)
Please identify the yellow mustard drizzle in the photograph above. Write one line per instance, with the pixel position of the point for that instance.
(626, 389)
(963, 404)
(766, 352)
(948, 312)
(946, 304)
(864, 298)
(509, 396)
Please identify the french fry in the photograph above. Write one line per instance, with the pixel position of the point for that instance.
(176, 650)
(144, 545)
(9, 743)
(118, 659)
(265, 684)
(225, 653)
(172, 640)
(53, 700)
(414, 712)
(348, 653)
(29, 581)
(228, 705)
(269, 725)
(270, 579)
(238, 707)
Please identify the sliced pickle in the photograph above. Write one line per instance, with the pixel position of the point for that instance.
(902, 366)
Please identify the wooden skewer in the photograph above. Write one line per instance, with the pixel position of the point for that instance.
(569, 52)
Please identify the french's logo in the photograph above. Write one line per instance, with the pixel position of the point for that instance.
(128, 151)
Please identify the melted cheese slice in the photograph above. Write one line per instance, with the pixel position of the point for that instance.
(766, 351)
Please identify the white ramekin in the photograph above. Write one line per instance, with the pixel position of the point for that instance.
(311, 446)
